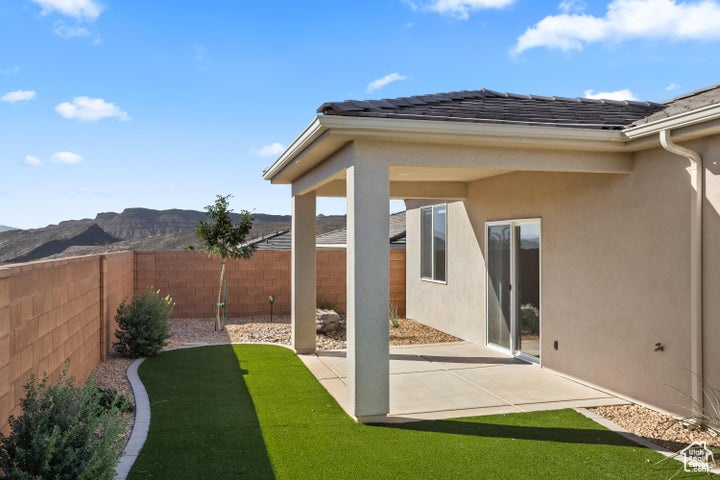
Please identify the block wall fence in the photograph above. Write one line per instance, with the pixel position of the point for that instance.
(58, 309)
(54, 310)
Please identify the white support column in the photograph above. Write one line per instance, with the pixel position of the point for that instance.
(303, 273)
(368, 296)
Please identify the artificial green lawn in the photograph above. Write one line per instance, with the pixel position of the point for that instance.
(255, 411)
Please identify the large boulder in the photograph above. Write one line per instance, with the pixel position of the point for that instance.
(328, 321)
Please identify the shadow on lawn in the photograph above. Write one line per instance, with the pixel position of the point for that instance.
(204, 423)
(519, 432)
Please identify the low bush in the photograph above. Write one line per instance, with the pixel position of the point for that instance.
(111, 398)
(143, 324)
(64, 432)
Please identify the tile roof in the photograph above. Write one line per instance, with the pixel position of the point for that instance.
(339, 236)
(703, 97)
(282, 240)
(487, 106)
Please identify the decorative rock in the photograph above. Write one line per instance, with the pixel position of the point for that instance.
(328, 321)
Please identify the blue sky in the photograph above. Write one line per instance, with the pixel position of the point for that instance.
(108, 104)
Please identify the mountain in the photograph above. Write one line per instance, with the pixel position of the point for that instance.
(5, 228)
(25, 245)
(133, 229)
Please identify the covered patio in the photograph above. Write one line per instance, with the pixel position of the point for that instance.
(451, 380)
(369, 161)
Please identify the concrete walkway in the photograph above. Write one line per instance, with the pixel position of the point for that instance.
(460, 379)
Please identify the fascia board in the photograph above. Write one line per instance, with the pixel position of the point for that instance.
(306, 138)
(509, 135)
(471, 131)
(681, 120)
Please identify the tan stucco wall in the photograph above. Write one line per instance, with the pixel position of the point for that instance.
(710, 152)
(615, 271)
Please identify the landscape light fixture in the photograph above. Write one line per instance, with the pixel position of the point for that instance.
(271, 299)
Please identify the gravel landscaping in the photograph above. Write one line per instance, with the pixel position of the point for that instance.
(658, 428)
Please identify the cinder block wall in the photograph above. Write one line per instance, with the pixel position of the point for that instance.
(118, 285)
(331, 276)
(51, 311)
(191, 278)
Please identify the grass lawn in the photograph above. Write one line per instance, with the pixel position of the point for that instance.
(255, 411)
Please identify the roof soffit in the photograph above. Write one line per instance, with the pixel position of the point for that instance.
(328, 134)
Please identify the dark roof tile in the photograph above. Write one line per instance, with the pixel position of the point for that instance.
(703, 97)
(487, 106)
(282, 240)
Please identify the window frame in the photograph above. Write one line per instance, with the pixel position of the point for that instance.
(432, 208)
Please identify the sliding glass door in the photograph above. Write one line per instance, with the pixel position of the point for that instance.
(513, 287)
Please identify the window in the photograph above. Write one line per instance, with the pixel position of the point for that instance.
(433, 234)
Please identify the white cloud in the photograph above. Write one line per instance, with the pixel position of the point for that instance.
(18, 96)
(457, 8)
(568, 6)
(63, 31)
(69, 158)
(624, 94)
(84, 10)
(33, 160)
(271, 150)
(625, 20)
(672, 86)
(88, 109)
(386, 80)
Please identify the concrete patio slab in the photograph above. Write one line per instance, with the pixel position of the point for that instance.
(520, 384)
(436, 391)
(458, 380)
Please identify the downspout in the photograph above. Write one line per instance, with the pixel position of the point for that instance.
(696, 281)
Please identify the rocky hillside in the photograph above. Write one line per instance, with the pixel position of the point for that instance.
(145, 222)
(25, 245)
(5, 228)
(133, 229)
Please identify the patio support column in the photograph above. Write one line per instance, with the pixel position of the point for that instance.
(303, 273)
(368, 351)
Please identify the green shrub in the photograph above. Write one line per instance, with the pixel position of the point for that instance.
(63, 433)
(143, 324)
(111, 398)
(326, 305)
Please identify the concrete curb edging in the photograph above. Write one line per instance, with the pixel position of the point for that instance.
(632, 437)
(141, 426)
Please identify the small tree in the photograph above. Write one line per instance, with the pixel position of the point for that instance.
(220, 237)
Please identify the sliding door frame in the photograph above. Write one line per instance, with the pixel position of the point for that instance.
(514, 305)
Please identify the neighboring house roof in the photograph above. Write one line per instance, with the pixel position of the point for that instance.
(487, 106)
(703, 97)
(339, 236)
(282, 240)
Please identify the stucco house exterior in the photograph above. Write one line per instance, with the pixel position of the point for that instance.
(578, 234)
